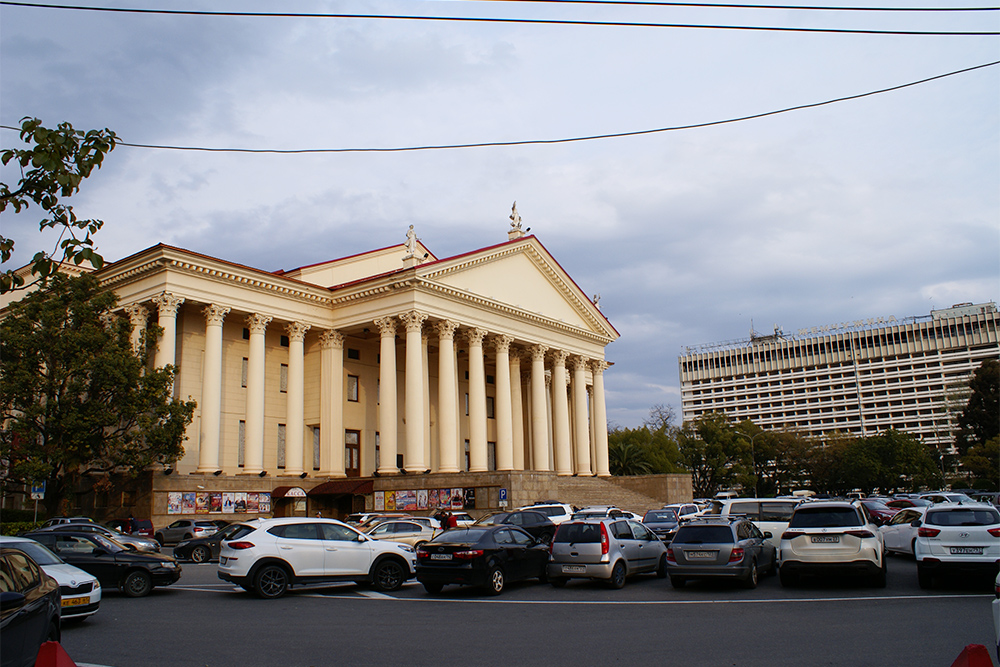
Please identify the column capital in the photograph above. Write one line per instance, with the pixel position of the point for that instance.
(598, 366)
(386, 326)
(559, 357)
(108, 319)
(445, 328)
(331, 340)
(215, 314)
(515, 355)
(137, 314)
(167, 304)
(257, 322)
(297, 331)
(501, 342)
(476, 336)
(580, 363)
(538, 352)
(413, 320)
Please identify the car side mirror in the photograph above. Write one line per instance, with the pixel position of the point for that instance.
(767, 535)
(10, 600)
(916, 523)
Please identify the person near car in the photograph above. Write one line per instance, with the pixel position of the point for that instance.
(452, 521)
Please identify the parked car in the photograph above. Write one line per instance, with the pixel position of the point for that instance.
(536, 524)
(116, 566)
(996, 611)
(364, 520)
(901, 503)
(601, 512)
(880, 512)
(607, 549)
(29, 608)
(404, 531)
(684, 510)
(203, 549)
(717, 547)
(957, 539)
(555, 510)
(900, 533)
(662, 522)
(80, 591)
(831, 537)
(59, 520)
(488, 556)
(185, 529)
(945, 497)
(142, 527)
(134, 541)
(770, 515)
(269, 555)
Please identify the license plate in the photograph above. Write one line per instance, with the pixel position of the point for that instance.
(573, 569)
(973, 551)
(825, 539)
(699, 554)
(73, 602)
(440, 556)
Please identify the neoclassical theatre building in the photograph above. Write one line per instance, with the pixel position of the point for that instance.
(390, 379)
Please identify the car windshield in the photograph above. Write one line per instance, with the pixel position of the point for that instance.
(824, 517)
(108, 544)
(492, 519)
(963, 517)
(703, 534)
(578, 533)
(462, 535)
(39, 553)
(660, 515)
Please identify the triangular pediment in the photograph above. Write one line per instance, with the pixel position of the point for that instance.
(523, 276)
(357, 267)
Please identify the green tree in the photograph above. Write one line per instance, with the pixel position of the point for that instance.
(627, 458)
(52, 167)
(711, 451)
(74, 396)
(983, 462)
(980, 420)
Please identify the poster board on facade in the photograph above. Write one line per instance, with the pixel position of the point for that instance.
(187, 502)
(264, 502)
(174, 502)
(240, 507)
(228, 502)
(457, 499)
(215, 502)
(253, 502)
(421, 499)
(201, 502)
(409, 500)
(379, 501)
(390, 501)
(470, 499)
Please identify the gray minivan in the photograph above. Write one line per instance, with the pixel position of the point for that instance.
(607, 548)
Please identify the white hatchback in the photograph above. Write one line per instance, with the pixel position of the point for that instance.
(957, 538)
(269, 555)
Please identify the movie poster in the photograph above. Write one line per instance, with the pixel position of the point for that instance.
(201, 502)
(253, 502)
(187, 502)
(228, 502)
(406, 500)
(380, 501)
(215, 502)
(240, 507)
(421, 499)
(174, 502)
(390, 501)
(457, 499)
(264, 502)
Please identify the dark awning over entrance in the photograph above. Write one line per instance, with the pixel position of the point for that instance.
(287, 492)
(343, 486)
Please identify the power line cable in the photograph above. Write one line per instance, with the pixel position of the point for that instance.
(529, 142)
(478, 19)
(713, 5)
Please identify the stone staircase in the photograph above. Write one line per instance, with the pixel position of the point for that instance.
(584, 491)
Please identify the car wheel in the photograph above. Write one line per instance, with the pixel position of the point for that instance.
(924, 578)
(271, 582)
(201, 554)
(433, 589)
(751, 580)
(159, 539)
(787, 578)
(55, 634)
(617, 576)
(137, 584)
(661, 569)
(677, 582)
(387, 575)
(558, 583)
(495, 581)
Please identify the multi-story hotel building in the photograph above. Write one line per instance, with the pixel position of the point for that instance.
(859, 377)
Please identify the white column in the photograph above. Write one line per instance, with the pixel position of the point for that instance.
(295, 411)
(600, 420)
(426, 379)
(582, 444)
(387, 396)
(413, 459)
(253, 460)
(166, 348)
(211, 390)
(477, 402)
(560, 415)
(517, 410)
(539, 411)
(331, 405)
(447, 398)
(138, 315)
(502, 407)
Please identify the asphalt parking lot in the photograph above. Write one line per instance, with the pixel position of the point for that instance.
(206, 622)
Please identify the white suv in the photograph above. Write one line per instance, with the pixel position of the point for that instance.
(556, 511)
(957, 538)
(269, 555)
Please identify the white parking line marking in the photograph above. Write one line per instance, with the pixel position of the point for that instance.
(661, 602)
(376, 595)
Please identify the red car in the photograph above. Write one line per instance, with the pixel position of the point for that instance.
(881, 513)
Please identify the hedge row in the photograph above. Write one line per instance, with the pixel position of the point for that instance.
(15, 527)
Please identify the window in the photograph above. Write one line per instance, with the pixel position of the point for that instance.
(316, 458)
(467, 462)
(352, 388)
(352, 453)
(281, 446)
(490, 408)
(283, 381)
(377, 453)
(491, 455)
(241, 446)
(284, 341)
(246, 334)
(466, 404)
(353, 354)
(243, 375)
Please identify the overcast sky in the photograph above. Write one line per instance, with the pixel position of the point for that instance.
(885, 205)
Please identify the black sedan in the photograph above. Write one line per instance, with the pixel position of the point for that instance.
(204, 549)
(29, 608)
(115, 565)
(536, 524)
(488, 556)
(662, 522)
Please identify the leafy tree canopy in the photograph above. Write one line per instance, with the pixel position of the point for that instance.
(980, 420)
(75, 397)
(52, 167)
